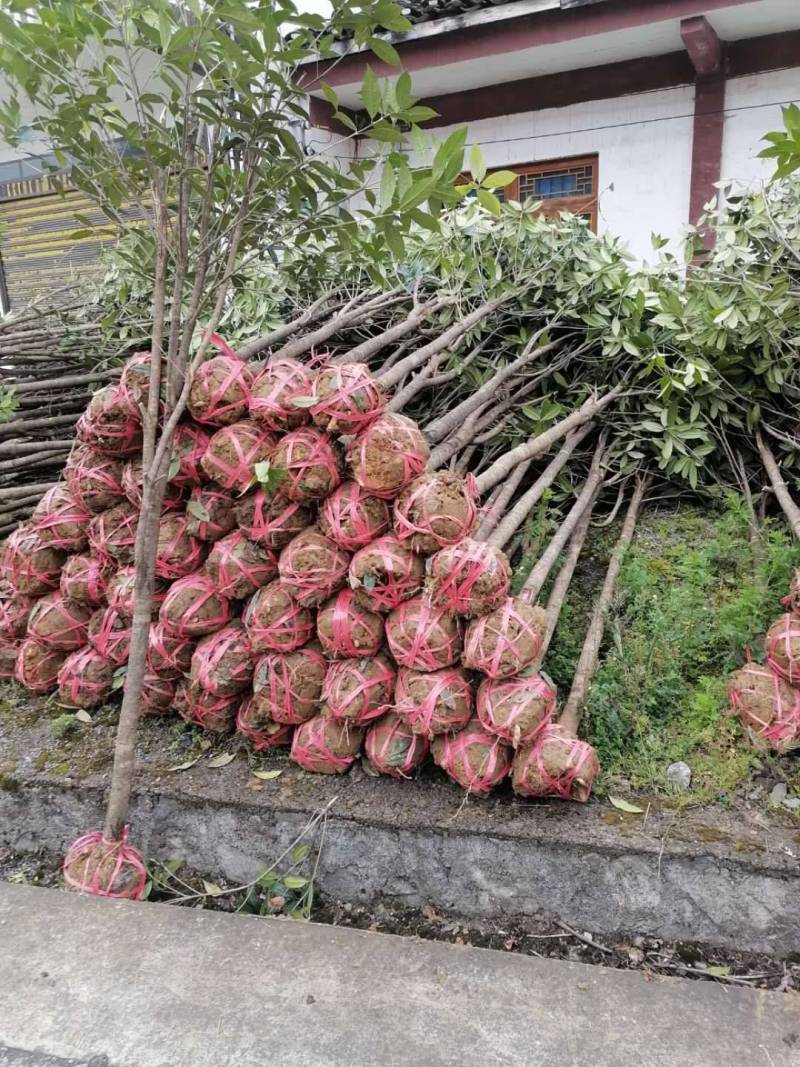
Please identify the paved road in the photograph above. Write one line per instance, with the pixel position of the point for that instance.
(94, 982)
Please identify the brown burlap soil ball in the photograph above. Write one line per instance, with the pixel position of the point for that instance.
(557, 764)
(359, 690)
(60, 520)
(9, 650)
(388, 455)
(15, 610)
(85, 679)
(217, 714)
(507, 640)
(188, 448)
(254, 721)
(110, 633)
(113, 533)
(59, 623)
(433, 702)
(240, 566)
(516, 709)
(134, 382)
(132, 482)
(352, 518)
(105, 868)
(177, 552)
(768, 707)
(391, 747)
(275, 622)
(783, 647)
(346, 630)
(470, 578)
(85, 578)
(121, 592)
(325, 746)
(220, 392)
(28, 565)
(275, 388)
(223, 662)
(233, 452)
(158, 693)
(474, 758)
(385, 573)
(287, 685)
(436, 510)
(108, 425)
(168, 654)
(210, 513)
(312, 567)
(347, 398)
(38, 665)
(308, 465)
(194, 607)
(95, 480)
(422, 636)
(271, 519)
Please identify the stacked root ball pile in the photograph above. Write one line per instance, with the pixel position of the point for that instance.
(335, 607)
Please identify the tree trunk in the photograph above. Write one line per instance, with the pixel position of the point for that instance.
(497, 503)
(364, 352)
(779, 487)
(310, 314)
(590, 653)
(340, 321)
(558, 593)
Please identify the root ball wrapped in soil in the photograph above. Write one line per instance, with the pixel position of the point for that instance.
(177, 552)
(436, 510)
(557, 764)
(15, 610)
(470, 578)
(433, 702)
(347, 398)
(359, 690)
(95, 480)
(352, 518)
(112, 534)
(59, 623)
(85, 679)
(189, 445)
(346, 630)
(312, 567)
(308, 465)
(422, 636)
(220, 392)
(240, 566)
(121, 592)
(105, 868)
(85, 578)
(168, 653)
(233, 453)
(110, 634)
(474, 758)
(60, 520)
(388, 455)
(385, 573)
(254, 721)
(275, 387)
(158, 693)
(326, 746)
(134, 383)
(507, 640)
(287, 685)
(391, 747)
(783, 648)
(38, 665)
(133, 482)
(271, 519)
(223, 662)
(516, 709)
(9, 650)
(28, 565)
(793, 599)
(275, 622)
(108, 425)
(216, 714)
(768, 707)
(194, 607)
(210, 513)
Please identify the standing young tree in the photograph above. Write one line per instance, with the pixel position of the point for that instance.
(177, 120)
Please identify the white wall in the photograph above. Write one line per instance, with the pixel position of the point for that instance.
(753, 108)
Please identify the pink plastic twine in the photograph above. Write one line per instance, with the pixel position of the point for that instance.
(344, 511)
(168, 652)
(430, 524)
(207, 710)
(14, 612)
(518, 693)
(235, 575)
(85, 578)
(274, 389)
(475, 654)
(158, 693)
(274, 684)
(250, 444)
(9, 650)
(785, 725)
(269, 735)
(300, 452)
(452, 757)
(213, 380)
(401, 575)
(60, 520)
(432, 715)
(309, 749)
(75, 682)
(181, 554)
(419, 637)
(368, 699)
(110, 634)
(217, 505)
(353, 401)
(457, 570)
(223, 662)
(393, 748)
(257, 524)
(579, 754)
(24, 563)
(37, 667)
(779, 642)
(346, 619)
(189, 625)
(71, 617)
(134, 387)
(112, 534)
(95, 481)
(312, 582)
(399, 437)
(292, 629)
(107, 425)
(125, 857)
(188, 446)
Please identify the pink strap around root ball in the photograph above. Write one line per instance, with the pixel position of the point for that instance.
(339, 708)
(126, 856)
(405, 527)
(785, 725)
(421, 713)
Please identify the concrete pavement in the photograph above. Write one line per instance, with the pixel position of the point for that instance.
(98, 982)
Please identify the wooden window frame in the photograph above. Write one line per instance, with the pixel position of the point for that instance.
(579, 205)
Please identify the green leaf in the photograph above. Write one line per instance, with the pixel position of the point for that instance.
(625, 805)
(498, 179)
(213, 889)
(295, 881)
(303, 401)
(717, 971)
(198, 511)
(174, 467)
(388, 183)
(477, 164)
(385, 51)
(330, 95)
(370, 93)
(489, 201)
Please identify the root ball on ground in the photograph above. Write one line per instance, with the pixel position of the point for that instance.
(507, 640)
(113, 533)
(783, 647)
(470, 578)
(85, 578)
(391, 747)
(220, 392)
(28, 565)
(60, 520)
(210, 513)
(308, 464)
(352, 518)
(436, 510)
(385, 573)
(177, 552)
(240, 566)
(168, 653)
(110, 634)
(59, 623)
(326, 746)
(95, 480)
(434, 702)
(105, 868)
(271, 519)
(85, 679)
(516, 709)
(768, 707)
(264, 732)
(222, 663)
(422, 636)
(216, 714)
(359, 690)
(275, 622)
(312, 567)
(389, 454)
(346, 630)
(474, 758)
(287, 686)
(233, 452)
(194, 607)
(347, 398)
(279, 383)
(557, 764)
(38, 665)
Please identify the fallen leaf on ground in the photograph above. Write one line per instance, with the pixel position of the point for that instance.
(625, 805)
(83, 716)
(185, 766)
(222, 760)
(267, 776)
